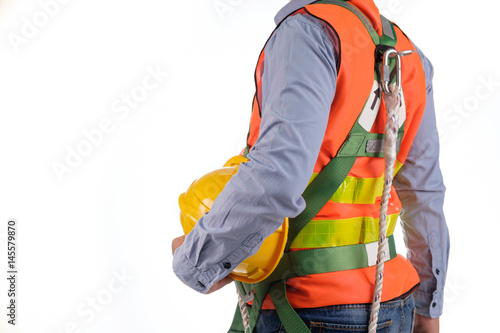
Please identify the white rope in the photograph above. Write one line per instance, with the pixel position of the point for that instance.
(391, 136)
(243, 310)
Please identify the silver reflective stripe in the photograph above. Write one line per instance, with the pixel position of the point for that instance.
(376, 146)
(372, 105)
(372, 253)
(387, 27)
(356, 12)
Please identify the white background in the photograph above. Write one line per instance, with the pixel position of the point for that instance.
(115, 212)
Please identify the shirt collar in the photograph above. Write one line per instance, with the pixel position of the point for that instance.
(290, 8)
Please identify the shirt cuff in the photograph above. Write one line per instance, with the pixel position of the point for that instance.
(429, 304)
(202, 280)
(193, 277)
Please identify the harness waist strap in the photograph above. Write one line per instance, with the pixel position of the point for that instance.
(330, 259)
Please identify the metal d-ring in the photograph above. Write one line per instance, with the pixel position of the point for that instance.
(386, 72)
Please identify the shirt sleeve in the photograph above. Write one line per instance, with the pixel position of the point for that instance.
(420, 187)
(298, 86)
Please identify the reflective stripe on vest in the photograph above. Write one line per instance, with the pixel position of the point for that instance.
(328, 233)
(355, 190)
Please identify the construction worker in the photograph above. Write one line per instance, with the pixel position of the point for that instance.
(313, 78)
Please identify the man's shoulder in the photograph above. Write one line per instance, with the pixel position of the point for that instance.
(303, 18)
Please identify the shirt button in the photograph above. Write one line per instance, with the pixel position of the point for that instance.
(226, 265)
(434, 304)
(438, 271)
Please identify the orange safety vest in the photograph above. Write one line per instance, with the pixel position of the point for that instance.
(351, 215)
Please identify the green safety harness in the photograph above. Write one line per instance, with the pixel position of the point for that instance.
(359, 142)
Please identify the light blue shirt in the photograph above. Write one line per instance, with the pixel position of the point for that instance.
(298, 87)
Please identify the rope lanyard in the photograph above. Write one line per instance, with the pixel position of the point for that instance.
(242, 304)
(392, 99)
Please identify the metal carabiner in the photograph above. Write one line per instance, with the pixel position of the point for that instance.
(386, 72)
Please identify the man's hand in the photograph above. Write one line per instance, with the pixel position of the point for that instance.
(177, 242)
(219, 284)
(426, 325)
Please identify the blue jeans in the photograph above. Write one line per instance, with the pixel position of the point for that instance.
(394, 316)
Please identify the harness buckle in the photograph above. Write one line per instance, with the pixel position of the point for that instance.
(386, 72)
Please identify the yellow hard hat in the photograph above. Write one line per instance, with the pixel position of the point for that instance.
(198, 200)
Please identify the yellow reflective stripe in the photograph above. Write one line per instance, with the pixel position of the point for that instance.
(328, 233)
(355, 190)
(359, 190)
